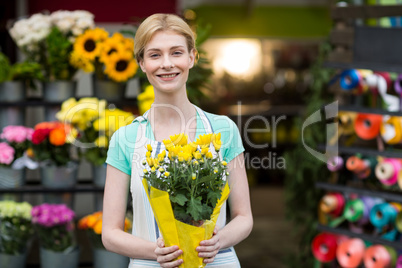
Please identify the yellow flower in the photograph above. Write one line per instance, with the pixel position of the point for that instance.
(161, 156)
(161, 169)
(80, 62)
(204, 140)
(168, 144)
(204, 151)
(149, 147)
(112, 120)
(150, 161)
(167, 173)
(216, 141)
(112, 45)
(153, 169)
(121, 66)
(215, 170)
(209, 155)
(224, 163)
(179, 139)
(145, 99)
(148, 154)
(174, 151)
(102, 142)
(197, 155)
(145, 171)
(88, 45)
(193, 176)
(195, 162)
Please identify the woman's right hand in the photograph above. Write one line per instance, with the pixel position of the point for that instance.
(166, 255)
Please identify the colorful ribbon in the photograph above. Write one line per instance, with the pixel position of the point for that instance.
(349, 79)
(379, 82)
(379, 256)
(332, 204)
(398, 222)
(391, 129)
(361, 167)
(335, 163)
(382, 215)
(350, 252)
(367, 126)
(387, 170)
(324, 247)
(399, 262)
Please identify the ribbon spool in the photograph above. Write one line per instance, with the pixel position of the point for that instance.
(379, 256)
(398, 222)
(367, 126)
(382, 215)
(379, 82)
(399, 262)
(346, 121)
(324, 247)
(349, 79)
(350, 252)
(332, 204)
(361, 167)
(398, 85)
(335, 163)
(391, 129)
(400, 180)
(387, 171)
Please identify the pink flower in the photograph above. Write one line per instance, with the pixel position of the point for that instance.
(6, 153)
(17, 134)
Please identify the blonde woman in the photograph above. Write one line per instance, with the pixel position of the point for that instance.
(165, 50)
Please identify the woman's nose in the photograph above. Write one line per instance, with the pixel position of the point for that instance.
(167, 63)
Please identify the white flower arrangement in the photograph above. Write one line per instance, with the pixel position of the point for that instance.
(73, 22)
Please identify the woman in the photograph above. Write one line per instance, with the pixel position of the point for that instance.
(165, 50)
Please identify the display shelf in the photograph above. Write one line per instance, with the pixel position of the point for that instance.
(365, 11)
(37, 188)
(394, 153)
(388, 195)
(375, 66)
(366, 237)
(366, 110)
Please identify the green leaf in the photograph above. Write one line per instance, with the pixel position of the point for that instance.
(195, 208)
(179, 199)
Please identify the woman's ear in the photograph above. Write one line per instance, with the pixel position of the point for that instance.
(192, 58)
(141, 62)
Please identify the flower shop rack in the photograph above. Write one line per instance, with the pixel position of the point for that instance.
(40, 102)
(36, 188)
(371, 238)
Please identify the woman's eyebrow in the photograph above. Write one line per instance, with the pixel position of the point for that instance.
(157, 49)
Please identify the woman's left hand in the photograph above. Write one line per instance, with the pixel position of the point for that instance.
(209, 248)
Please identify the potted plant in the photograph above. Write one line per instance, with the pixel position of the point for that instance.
(15, 142)
(54, 226)
(15, 233)
(92, 224)
(111, 58)
(48, 39)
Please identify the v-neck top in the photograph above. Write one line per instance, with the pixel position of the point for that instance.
(123, 142)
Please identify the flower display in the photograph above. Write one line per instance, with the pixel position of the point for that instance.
(48, 40)
(15, 227)
(93, 224)
(145, 99)
(95, 123)
(51, 142)
(15, 141)
(110, 57)
(54, 224)
(186, 187)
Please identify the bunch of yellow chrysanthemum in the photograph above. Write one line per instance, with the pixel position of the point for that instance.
(96, 124)
(110, 57)
(192, 173)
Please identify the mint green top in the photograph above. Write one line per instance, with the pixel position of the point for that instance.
(122, 143)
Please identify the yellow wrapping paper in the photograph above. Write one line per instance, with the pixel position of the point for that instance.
(186, 237)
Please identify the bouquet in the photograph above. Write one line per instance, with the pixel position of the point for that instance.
(15, 142)
(92, 223)
(15, 227)
(95, 124)
(52, 143)
(111, 58)
(54, 224)
(48, 40)
(186, 186)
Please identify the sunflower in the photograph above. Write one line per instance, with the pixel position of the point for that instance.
(121, 66)
(80, 62)
(88, 44)
(110, 46)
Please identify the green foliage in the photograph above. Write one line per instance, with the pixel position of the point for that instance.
(59, 155)
(14, 235)
(57, 238)
(4, 67)
(59, 48)
(304, 170)
(96, 155)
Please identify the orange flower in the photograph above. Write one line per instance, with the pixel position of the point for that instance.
(98, 226)
(47, 125)
(83, 223)
(57, 137)
(127, 225)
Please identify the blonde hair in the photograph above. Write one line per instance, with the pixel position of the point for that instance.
(157, 23)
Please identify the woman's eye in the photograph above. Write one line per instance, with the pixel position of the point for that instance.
(177, 53)
(153, 55)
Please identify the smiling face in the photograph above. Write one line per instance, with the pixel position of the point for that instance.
(167, 61)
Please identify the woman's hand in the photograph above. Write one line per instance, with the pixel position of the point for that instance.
(166, 255)
(209, 248)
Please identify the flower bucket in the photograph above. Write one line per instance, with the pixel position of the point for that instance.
(109, 90)
(106, 259)
(54, 177)
(57, 91)
(11, 178)
(99, 179)
(13, 261)
(67, 259)
(12, 115)
(12, 91)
